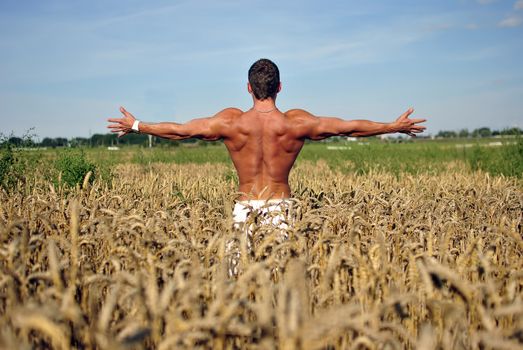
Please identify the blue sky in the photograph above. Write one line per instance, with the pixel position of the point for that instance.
(65, 66)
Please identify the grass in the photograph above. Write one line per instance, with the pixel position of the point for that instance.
(423, 156)
(361, 157)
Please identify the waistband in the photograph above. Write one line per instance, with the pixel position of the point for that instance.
(271, 204)
(265, 201)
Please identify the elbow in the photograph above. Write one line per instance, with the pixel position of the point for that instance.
(176, 132)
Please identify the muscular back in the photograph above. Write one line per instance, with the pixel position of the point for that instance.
(263, 148)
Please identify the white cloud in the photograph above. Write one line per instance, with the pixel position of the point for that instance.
(510, 22)
(518, 5)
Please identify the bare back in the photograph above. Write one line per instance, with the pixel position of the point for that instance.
(263, 148)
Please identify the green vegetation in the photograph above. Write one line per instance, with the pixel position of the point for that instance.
(14, 165)
(73, 168)
(494, 156)
(192, 153)
(10, 171)
(507, 161)
(497, 156)
(361, 157)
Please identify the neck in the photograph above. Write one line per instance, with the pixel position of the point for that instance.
(264, 106)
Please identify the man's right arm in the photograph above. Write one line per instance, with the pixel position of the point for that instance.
(201, 128)
(209, 129)
(318, 128)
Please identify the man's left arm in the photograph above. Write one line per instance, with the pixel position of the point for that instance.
(319, 128)
(209, 129)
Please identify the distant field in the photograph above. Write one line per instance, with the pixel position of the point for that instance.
(497, 156)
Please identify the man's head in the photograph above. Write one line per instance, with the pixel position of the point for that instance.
(264, 79)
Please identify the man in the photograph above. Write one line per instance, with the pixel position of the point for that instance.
(264, 142)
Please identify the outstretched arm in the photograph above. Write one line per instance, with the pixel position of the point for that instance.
(209, 129)
(318, 128)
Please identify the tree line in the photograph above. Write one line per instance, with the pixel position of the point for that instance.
(96, 140)
(478, 133)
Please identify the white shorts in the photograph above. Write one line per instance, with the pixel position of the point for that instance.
(272, 212)
(250, 215)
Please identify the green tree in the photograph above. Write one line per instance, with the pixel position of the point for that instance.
(463, 133)
(511, 131)
(446, 134)
(482, 132)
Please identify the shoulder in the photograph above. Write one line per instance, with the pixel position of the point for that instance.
(301, 117)
(226, 116)
(224, 120)
(303, 122)
(298, 114)
(228, 113)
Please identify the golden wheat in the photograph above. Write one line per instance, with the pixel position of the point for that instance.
(370, 262)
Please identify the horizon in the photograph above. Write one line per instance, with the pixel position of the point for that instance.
(67, 67)
(442, 134)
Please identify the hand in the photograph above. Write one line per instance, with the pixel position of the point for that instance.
(408, 126)
(122, 126)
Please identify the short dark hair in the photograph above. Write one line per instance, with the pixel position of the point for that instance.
(264, 78)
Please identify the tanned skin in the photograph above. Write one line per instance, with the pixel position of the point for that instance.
(264, 142)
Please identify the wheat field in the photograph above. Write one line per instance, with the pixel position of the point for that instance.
(370, 262)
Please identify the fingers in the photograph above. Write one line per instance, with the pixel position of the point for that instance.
(417, 121)
(413, 131)
(118, 125)
(410, 133)
(407, 113)
(120, 132)
(114, 126)
(117, 128)
(127, 114)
